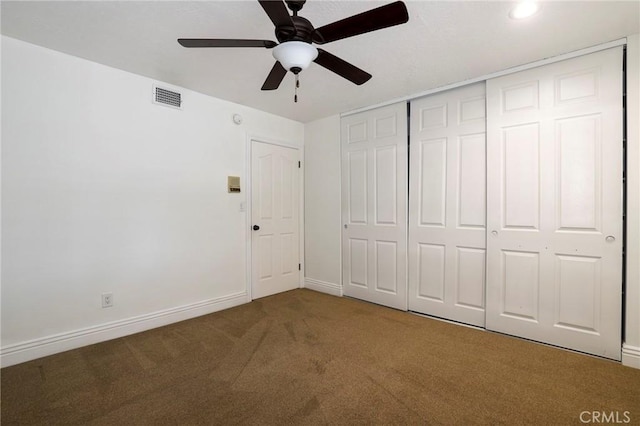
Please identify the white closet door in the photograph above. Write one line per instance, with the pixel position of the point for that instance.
(447, 205)
(374, 199)
(554, 203)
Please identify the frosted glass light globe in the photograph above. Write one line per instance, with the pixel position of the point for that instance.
(295, 55)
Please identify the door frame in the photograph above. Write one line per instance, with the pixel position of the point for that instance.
(250, 138)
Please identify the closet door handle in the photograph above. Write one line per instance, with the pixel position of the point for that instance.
(256, 227)
(610, 238)
(494, 233)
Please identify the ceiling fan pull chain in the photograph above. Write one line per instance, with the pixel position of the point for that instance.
(295, 97)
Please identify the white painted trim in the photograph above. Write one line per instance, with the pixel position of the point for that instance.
(249, 217)
(271, 141)
(581, 52)
(341, 282)
(301, 233)
(630, 356)
(632, 251)
(323, 286)
(37, 348)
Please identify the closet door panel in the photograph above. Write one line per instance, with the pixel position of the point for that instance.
(554, 203)
(374, 198)
(447, 205)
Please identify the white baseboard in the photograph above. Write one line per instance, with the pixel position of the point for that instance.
(630, 356)
(37, 348)
(323, 286)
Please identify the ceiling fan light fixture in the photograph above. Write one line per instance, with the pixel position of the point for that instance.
(295, 55)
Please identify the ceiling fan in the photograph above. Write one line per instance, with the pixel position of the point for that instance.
(296, 34)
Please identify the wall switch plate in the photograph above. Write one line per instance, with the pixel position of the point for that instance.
(107, 300)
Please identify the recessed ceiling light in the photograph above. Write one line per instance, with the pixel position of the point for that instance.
(524, 9)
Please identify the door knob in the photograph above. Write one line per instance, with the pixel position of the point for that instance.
(256, 227)
(494, 233)
(610, 238)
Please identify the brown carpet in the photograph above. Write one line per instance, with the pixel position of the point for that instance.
(303, 357)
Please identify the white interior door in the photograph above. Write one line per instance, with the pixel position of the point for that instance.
(447, 205)
(274, 211)
(374, 199)
(554, 198)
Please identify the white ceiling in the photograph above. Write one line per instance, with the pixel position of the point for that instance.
(444, 42)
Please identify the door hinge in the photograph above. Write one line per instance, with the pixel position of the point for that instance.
(298, 164)
(299, 266)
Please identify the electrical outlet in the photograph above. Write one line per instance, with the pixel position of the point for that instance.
(107, 300)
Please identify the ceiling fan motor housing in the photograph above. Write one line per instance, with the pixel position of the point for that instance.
(302, 30)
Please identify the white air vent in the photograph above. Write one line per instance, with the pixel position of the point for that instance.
(167, 97)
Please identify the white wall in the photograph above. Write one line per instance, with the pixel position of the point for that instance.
(322, 205)
(104, 191)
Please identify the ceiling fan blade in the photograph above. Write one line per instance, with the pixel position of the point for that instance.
(275, 77)
(342, 68)
(277, 12)
(222, 42)
(372, 20)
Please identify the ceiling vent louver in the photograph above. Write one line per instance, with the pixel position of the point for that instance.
(167, 97)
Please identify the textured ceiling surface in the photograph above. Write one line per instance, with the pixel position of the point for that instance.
(444, 42)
